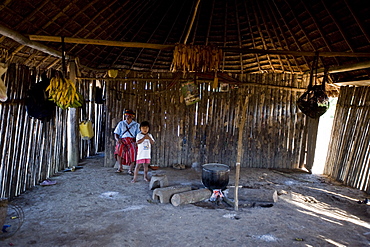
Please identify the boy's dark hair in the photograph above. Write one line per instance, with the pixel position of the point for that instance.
(144, 124)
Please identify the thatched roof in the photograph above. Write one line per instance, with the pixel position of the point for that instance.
(238, 27)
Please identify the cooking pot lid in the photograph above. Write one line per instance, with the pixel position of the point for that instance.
(216, 167)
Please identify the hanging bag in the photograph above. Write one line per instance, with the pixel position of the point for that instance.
(86, 130)
(314, 102)
(37, 104)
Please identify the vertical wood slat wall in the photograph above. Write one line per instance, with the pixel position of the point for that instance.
(208, 130)
(348, 158)
(32, 150)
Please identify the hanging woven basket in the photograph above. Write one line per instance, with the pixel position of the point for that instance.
(314, 102)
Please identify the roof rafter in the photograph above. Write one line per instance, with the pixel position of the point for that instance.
(261, 35)
(277, 37)
(283, 34)
(135, 20)
(251, 32)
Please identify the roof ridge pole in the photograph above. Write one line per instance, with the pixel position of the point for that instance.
(192, 22)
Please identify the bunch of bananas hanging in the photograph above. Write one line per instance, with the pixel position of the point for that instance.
(64, 94)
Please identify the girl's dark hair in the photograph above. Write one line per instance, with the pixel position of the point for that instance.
(144, 124)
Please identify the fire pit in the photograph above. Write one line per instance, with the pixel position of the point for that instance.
(215, 177)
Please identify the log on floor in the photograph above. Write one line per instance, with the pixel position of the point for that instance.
(190, 197)
(254, 195)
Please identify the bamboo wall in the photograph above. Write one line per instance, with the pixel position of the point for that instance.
(32, 150)
(274, 133)
(348, 158)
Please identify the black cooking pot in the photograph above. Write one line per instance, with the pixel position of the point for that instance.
(215, 176)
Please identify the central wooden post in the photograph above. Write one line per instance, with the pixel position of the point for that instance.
(239, 152)
(72, 126)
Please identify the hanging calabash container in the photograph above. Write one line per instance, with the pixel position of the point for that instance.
(112, 73)
(314, 102)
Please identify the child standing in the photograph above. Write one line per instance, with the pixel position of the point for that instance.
(144, 142)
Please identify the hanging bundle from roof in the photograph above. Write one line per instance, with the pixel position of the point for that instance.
(196, 58)
(314, 102)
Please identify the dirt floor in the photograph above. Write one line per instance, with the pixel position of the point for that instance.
(94, 206)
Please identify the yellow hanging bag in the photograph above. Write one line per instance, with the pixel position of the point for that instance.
(86, 130)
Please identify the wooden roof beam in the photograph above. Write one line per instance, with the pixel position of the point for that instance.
(298, 53)
(99, 42)
(30, 43)
(26, 42)
(347, 67)
(192, 21)
(361, 83)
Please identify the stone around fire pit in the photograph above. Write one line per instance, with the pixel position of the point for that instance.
(158, 180)
(164, 194)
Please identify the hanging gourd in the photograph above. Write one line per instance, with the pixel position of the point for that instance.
(314, 102)
(112, 73)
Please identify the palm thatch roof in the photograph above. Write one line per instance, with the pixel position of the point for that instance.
(256, 36)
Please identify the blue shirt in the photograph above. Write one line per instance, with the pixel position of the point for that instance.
(123, 129)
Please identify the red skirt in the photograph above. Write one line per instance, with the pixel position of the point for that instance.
(127, 150)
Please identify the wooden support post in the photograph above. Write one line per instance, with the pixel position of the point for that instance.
(110, 124)
(236, 196)
(72, 126)
(239, 152)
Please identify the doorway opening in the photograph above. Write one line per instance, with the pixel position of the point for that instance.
(323, 137)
